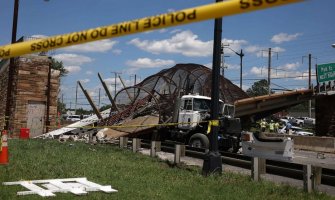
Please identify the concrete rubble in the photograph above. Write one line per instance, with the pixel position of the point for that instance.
(104, 135)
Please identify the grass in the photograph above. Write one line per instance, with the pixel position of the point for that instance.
(135, 176)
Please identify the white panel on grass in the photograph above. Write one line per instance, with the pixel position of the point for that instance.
(77, 186)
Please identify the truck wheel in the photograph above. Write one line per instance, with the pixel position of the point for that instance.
(235, 146)
(199, 140)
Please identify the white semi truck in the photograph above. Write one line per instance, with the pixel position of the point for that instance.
(193, 118)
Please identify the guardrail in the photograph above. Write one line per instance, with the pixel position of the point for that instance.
(281, 147)
(311, 172)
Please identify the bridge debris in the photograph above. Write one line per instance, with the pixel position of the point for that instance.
(136, 109)
(157, 96)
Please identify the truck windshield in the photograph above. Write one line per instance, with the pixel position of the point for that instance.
(202, 105)
(199, 105)
(186, 104)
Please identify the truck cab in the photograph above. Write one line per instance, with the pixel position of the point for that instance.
(193, 109)
(193, 116)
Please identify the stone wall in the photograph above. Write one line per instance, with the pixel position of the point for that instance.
(30, 86)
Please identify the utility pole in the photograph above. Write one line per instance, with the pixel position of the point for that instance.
(134, 85)
(309, 84)
(269, 72)
(76, 102)
(309, 70)
(241, 65)
(133, 75)
(241, 60)
(222, 57)
(11, 67)
(15, 17)
(99, 99)
(48, 96)
(269, 67)
(222, 60)
(115, 77)
(212, 160)
(309, 81)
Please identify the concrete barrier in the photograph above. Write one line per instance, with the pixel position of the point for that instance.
(318, 144)
(123, 142)
(136, 144)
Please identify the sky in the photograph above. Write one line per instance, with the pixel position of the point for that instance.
(291, 31)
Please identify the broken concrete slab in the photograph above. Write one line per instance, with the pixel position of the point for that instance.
(138, 124)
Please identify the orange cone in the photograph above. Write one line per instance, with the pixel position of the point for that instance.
(4, 149)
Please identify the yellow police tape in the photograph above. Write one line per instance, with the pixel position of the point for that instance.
(191, 15)
(130, 126)
(210, 124)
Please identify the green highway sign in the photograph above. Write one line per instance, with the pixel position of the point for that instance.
(326, 72)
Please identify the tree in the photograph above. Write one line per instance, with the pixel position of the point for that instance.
(58, 65)
(81, 111)
(259, 88)
(302, 107)
(105, 107)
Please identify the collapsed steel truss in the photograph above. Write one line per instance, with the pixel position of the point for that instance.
(157, 94)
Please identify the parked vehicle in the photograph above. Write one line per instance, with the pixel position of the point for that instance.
(296, 131)
(73, 118)
(193, 117)
(299, 121)
(308, 120)
(288, 119)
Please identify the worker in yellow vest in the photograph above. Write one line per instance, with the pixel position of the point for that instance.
(263, 125)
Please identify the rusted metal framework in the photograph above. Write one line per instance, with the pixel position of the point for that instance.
(157, 94)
